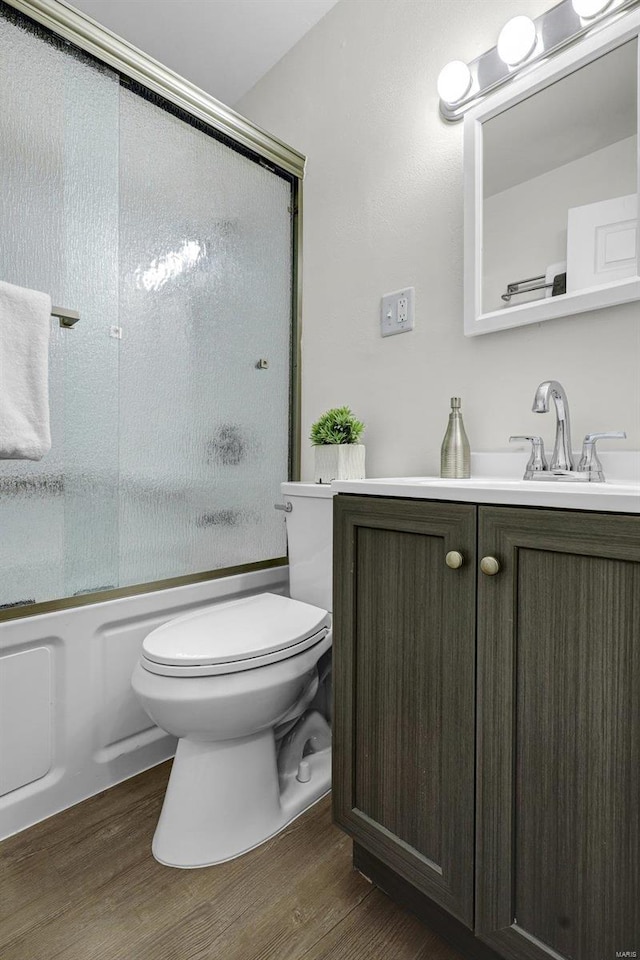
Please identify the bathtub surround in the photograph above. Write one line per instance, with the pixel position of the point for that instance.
(383, 208)
(70, 724)
(25, 320)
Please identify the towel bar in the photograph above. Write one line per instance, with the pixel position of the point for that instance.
(558, 285)
(66, 317)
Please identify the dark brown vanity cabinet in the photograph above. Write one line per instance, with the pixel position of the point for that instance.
(404, 651)
(558, 828)
(494, 763)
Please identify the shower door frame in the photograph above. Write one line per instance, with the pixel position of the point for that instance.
(85, 33)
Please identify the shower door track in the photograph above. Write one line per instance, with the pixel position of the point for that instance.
(84, 32)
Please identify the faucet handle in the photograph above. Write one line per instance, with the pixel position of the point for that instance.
(537, 461)
(589, 461)
(610, 435)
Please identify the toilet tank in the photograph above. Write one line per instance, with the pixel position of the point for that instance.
(310, 541)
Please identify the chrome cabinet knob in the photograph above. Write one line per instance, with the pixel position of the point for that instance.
(454, 559)
(490, 566)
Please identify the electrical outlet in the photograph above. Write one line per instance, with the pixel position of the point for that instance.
(396, 314)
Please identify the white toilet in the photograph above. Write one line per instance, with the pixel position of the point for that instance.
(245, 687)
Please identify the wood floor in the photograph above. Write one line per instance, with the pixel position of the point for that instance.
(84, 886)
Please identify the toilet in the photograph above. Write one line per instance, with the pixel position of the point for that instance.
(245, 685)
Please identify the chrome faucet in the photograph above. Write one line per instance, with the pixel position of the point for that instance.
(563, 465)
(562, 459)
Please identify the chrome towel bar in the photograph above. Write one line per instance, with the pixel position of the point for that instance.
(558, 286)
(67, 318)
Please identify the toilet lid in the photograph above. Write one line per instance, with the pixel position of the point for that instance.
(235, 631)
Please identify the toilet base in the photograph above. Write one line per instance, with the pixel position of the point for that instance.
(224, 798)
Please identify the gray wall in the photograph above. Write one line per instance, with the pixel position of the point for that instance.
(383, 209)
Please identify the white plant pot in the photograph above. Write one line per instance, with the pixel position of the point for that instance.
(339, 461)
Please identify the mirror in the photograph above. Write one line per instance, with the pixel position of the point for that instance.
(551, 204)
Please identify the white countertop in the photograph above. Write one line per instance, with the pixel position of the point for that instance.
(496, 479)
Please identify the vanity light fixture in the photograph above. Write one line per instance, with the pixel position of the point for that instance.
(521, 45)
(517, 40)
(587, 9)
(454, 81)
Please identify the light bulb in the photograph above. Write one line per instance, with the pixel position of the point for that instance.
(454, 81)
(517, 40)
(586, 9)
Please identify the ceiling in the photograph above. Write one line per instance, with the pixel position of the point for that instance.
(223, 46)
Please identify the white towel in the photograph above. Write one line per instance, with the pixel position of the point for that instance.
(25, 323)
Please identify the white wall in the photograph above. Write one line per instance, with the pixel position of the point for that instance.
(383, 209)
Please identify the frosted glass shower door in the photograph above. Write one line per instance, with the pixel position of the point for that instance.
(205, 292)
(169, 440)
(59, 234)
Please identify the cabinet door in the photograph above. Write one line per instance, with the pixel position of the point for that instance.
(558, 855)
(404, 662)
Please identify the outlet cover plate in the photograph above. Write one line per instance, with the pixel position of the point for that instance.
(396, 312)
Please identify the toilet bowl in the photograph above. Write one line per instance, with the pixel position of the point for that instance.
(238, 684)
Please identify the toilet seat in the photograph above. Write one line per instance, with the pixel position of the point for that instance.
(233, 636)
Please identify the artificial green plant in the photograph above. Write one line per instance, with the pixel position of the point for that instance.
(336, 426)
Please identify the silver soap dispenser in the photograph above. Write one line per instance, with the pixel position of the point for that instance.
(455, 457)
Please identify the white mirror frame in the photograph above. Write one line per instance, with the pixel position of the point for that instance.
(621, 291)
